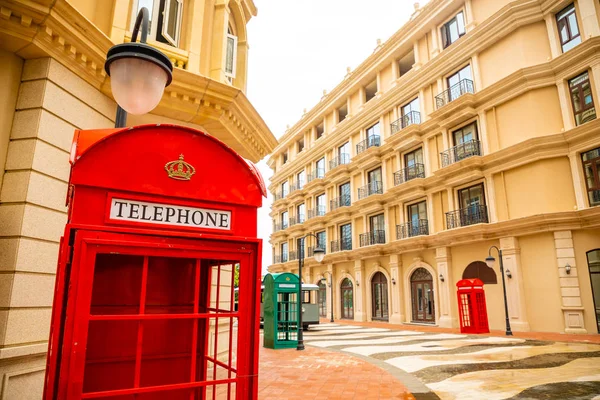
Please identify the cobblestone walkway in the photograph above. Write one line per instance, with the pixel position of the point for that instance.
(449, 365)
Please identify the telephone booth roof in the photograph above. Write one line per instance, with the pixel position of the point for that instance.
(283, 277)
(137, 160)
(469, 283)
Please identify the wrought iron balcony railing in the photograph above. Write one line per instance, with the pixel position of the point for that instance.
(318, 173)
(412, 118)
(409, 173)
(339, 160)
(298, 219)
(280, 195)
(454, 92)
(293, 255)
(340, 245)
(281, 258)
(475, 214)
(460, 152)
(319, 211)
(311, 250)
(342, 201)
(371, 238)
(594, 196)
(375, 187)
(277, 227)
(371, 141)
(410, 229)
(296, 186)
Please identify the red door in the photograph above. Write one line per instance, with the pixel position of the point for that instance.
(154, 318)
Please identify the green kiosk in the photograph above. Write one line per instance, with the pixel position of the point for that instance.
(280, 305)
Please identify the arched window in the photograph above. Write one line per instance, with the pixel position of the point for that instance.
(480, 270)
(422, 299)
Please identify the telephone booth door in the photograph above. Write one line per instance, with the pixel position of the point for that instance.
(472, 307)
(281, 311)
(156, 319)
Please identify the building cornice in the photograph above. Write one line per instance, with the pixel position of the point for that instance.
(56, 29)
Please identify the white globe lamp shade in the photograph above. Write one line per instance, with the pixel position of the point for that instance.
(319, 254)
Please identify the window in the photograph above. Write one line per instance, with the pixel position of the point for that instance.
(406, 63)
(373, 131)
(284, 220)
(320, 130)
(346, 237)
(566, 21)
(231, 54)
(413, 158)
(344, 153)
(411, 113)
(342, 113)
(344, 191)
(374, 176)
(453, 30)
(581, 96)
(591, 168)
(377, 223)
(300, 145)
(285, 189)
(320, 203)
(416, 212)
(465, 134)
(301, 213)
(165, 19)
(464, 73)
(284, 252)
(321, 239)
(471, 197)
(370, 90)
(300, 179)
(300, 247)
(284, 158)
(320, 168)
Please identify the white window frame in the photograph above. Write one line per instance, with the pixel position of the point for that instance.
(173, 40)
(231, 74)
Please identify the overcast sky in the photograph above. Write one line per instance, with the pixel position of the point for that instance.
(298, 48)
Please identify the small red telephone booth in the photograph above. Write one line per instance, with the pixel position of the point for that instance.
(159, 218)
(471, 306)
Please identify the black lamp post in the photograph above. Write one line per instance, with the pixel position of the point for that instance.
(138, 73)
(331, 291)
(490, 263)
(319, 253)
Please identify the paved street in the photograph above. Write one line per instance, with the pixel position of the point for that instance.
(431, 365)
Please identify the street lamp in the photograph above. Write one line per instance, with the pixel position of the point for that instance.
(331, 291)
(490, 261)
(318, 253)
(138, 73)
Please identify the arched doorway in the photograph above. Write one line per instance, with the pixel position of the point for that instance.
(347, 299)
(379, 297)
(322, 297)
(593, 259)
(423, 309)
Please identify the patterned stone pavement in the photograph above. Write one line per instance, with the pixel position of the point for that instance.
(449, 365)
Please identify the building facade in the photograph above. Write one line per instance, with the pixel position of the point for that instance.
(474, 125)
(53, 81)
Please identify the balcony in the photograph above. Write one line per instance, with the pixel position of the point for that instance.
(460, 152)
(319, 211)
(318, 173)
(342, 159)
(280, 258)
(298, 219)
(409, 173)
(475, 214)
(375, 187)
(410, 229)
(412, 118)
(342, 201)
(454, 92)
(340, 245)
(293, 255)
(297, 186)
(279, 227)
(371, 238)
(368, 142)
(311, 250)
(594, 196)
(280, 195)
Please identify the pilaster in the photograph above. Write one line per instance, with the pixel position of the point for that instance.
(483, 132)
(395, 72)
(417, 56)
(596, 81)
(578, 182)
(476, 72)
(360, 313)
(589, 18)
(565, 105)
(445, 287)
(396, 316)
(555, 49)
(491, 197)
(471, 23)
(435, 48)
(572, 307)
(515, 291)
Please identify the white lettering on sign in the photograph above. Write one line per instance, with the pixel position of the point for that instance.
(287, 285)
(156, 213)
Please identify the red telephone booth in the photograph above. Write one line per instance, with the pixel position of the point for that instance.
(471, 306)
(159, 218)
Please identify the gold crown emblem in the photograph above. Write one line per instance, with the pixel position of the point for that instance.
(180, 169)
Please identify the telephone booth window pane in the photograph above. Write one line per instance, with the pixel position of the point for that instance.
(170, 287)
(110, 355)
(166, 352)
(117, 284)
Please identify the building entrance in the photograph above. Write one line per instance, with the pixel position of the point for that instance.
(379, 297)
(423, 308)
(347, 299)
(593, 258)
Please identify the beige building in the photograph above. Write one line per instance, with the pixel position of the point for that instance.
(52, 81)
(473, 126)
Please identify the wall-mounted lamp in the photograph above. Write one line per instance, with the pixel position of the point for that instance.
(393, 281)
(441, 277)
(568, 269)
(357, 283)
(508, 273)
